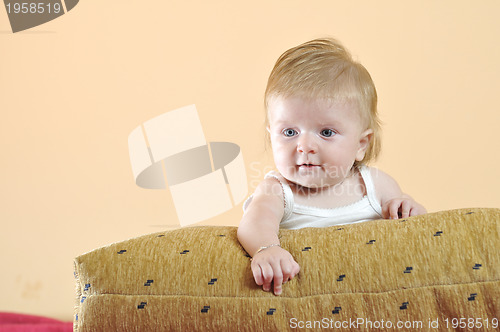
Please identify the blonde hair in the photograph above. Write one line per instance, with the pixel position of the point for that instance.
(323, 68)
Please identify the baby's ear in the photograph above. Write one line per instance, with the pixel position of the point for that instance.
(364, 143)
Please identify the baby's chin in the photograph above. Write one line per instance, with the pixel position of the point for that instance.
(311, 181)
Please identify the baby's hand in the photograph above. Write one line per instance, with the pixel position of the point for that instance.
(273, 264)
(402, 207)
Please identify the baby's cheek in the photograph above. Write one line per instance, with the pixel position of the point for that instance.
(280, 155)
(283, 165)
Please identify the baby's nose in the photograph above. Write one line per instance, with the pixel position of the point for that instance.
(306, 144)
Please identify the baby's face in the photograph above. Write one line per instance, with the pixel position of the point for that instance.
(315, 142)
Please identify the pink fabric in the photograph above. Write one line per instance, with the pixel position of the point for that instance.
(12, 322)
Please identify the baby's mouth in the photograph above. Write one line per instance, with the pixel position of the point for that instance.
(307, 166)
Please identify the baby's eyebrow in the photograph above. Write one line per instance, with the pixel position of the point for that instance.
(282, 123)
(332, 124)
(285, 123)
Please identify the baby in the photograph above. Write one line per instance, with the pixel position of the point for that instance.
(321, 116)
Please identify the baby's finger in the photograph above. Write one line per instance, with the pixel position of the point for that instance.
(386, 210)
(287, 270)
(290, 269)
(418, 209)
(296, 269)
(405, 209)
(278, 279)
(385, 213)
(393, 209)
(267, 276)
(257, 274)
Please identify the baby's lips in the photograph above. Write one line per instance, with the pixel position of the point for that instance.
(309, 163)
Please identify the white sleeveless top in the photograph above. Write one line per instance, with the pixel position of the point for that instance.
(299, 216)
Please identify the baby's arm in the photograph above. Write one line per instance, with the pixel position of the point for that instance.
(258, 229)
(395, 204)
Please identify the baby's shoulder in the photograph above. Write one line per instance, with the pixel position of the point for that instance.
(268, 194)
(378, 175)
(384, 184)
(270, 186)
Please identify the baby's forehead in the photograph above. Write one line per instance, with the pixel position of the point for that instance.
(281, 108)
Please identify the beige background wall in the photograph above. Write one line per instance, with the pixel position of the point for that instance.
(73, 89)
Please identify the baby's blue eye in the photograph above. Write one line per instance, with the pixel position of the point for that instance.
(289, 132)
(327, 133)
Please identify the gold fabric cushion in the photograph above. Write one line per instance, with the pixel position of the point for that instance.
(423, 270)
